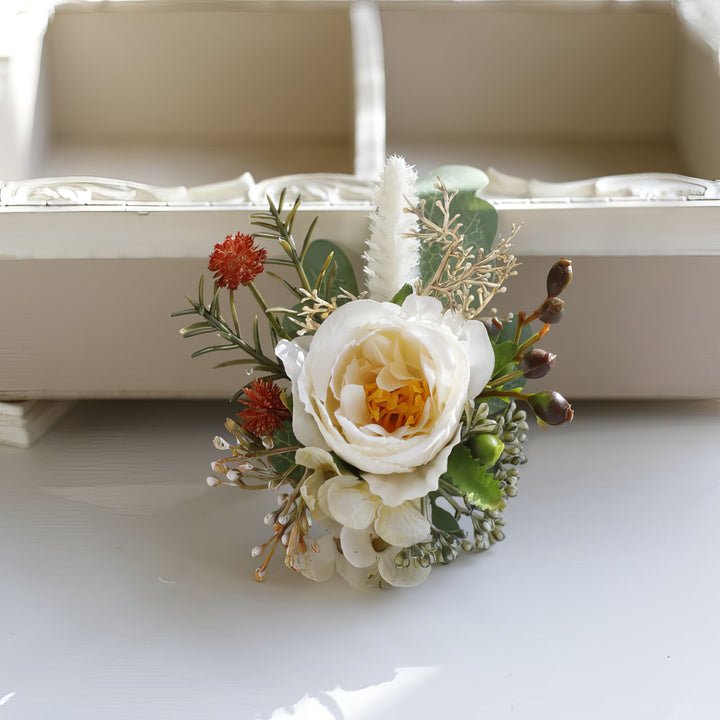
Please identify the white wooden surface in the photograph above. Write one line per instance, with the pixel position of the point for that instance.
(127, 586)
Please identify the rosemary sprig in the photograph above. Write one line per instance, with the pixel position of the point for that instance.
(275, 228)
(213, 322)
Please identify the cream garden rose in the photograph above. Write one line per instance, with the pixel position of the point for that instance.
(384, 387)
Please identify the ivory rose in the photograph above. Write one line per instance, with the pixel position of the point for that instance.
(384, 386)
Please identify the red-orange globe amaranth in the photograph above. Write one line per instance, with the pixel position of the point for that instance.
(237, 261)
(265, 412)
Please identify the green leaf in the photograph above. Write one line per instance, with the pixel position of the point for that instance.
(186, 311)
(284, 437)
(402, 294)
(473, 480)
(504, 353)
(508, 332)
(288, 323)
(444, 520)
(316, 256)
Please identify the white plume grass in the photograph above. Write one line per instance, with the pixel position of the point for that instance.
(393, 253)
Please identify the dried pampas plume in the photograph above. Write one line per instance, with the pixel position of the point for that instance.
(392, 254)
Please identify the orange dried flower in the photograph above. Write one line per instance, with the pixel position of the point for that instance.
(265, 412)
(237, 261)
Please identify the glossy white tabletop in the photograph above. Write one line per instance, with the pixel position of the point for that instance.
(126, 585)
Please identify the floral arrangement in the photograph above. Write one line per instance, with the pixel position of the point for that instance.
(390, 422)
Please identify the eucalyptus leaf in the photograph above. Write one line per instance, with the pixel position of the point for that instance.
(340, 273)
(473, 480)
(508, 332)
(457, 177)
(282, 462)
(444, 520)
(316, 256)
(288, 323)
(504, 353)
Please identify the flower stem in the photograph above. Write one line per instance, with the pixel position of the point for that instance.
(531, 341)
(263, 306)
(505, 378)
(520, 324)
(233, 310)
(504, 394)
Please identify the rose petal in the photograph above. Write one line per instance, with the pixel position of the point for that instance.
(400, 577)
(422, 307)
(481, 357)
(339, 330)
(394, 489)
(353, 404)
(402, 525)
(293, 356)
(357, 547)
(350, 502)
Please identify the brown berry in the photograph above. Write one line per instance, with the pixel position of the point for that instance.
(537, 363)
(559, 277)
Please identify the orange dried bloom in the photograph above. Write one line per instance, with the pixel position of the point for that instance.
(265, 412)
(237, 261)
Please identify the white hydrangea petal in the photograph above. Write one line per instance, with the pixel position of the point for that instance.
(316, 458)
(402, 525)
(310, 488)
(357, 547)
(324, 467)
(400, 577)
(350, 502)
(321, 559)
(359, 578)
(322, 494)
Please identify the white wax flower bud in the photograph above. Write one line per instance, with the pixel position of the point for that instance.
(212, 481)
(221, 443)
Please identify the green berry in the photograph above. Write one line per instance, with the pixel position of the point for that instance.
(486, 448)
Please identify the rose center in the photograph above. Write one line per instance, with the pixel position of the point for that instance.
(393, 409)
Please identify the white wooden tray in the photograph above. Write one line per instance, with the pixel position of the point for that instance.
(138, 134)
